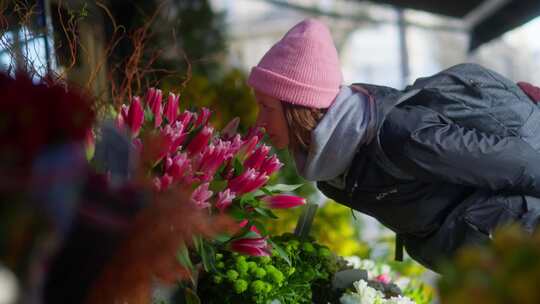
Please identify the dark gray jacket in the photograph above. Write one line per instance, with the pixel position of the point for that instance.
(449, 163)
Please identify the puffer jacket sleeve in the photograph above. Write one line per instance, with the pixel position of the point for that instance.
(434, 148)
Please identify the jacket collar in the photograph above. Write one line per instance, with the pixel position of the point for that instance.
(349, 123)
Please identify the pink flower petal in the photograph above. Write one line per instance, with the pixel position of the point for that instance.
(283, 201)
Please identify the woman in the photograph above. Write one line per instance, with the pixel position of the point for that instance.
(442, 163)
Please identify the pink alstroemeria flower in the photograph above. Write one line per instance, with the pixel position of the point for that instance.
(213, 157)
(243, 223)
(255, 131)
(122, 117)
(164, 145)
(200, 140)
(283, 201)
(271, 165)
(171, 109)
(202, 117)
(248, 146)
(185, 118)
(177, 166)
(236, 144)
(150, 97)
(163, 183)
(251, 246)
(255, 184)
(248, 181)
(230, 129)
(225, 199)
(201, 195)
(256, 159)
(135, 116)
(237, 183)
(157, 109)
(383, 278)
(175, 132)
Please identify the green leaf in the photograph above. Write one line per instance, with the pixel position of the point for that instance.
(208, 257)
(260, 226)
(236, 213)
(198, 243)
(283, 187)
(183, 257)
(266, 213)
(222, 238)
(191, 296)
(245, 199)
(262, 191)
(217, 185)
(281, 253)
(246, 233)
(238, 166)
(251, 234)
(148, 115)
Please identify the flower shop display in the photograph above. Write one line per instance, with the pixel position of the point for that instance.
(227, 173)
(305, 276)
(364, 294)
(389, 282)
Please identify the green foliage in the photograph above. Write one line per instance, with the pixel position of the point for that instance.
(200, 33)
(505, 271)
(246, 279)
(288, 175)
(419, 292)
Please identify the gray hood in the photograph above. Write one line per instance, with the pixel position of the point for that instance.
(348, 123)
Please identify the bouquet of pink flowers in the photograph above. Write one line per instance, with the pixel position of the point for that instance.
(227, 173)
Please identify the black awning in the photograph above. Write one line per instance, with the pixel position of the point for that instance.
(510, 16)
(505, 17)
(456, 9)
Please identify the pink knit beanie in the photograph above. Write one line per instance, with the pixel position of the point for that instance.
(302, 68)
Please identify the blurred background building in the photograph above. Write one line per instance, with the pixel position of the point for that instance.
(368, 39)
(377, 43)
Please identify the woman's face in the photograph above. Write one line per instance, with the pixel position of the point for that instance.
(272, 118)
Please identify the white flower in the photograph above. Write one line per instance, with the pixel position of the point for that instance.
(367, 294)
(350, 298)
(367, 264)
(399, 300)
(353, 261)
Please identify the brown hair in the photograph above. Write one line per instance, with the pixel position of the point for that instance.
(301, 121)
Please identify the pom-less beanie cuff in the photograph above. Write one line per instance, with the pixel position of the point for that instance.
(302, 68)
(289, 90)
